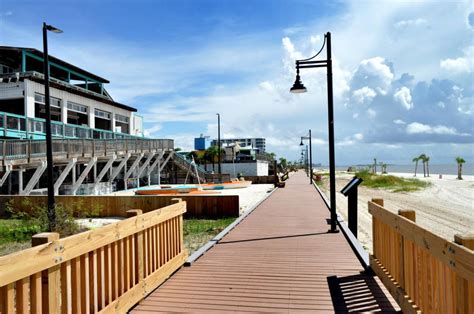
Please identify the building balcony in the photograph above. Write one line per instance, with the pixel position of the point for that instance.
(21, 127)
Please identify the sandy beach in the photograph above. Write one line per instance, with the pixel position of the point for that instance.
(445, 208)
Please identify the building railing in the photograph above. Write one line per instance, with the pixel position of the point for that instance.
(27, 149)
(13, 125)
(423, 272)
(27, 74)
(105, 270)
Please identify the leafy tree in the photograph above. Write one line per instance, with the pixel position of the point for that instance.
(177, 149)
(460, 161)
(283, 163)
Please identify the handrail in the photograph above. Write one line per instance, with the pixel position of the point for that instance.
(188, 164)
(27, 149)
(29, 127)
(108, 269)
(423, 271)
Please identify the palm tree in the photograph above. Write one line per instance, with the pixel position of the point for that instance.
(460, 161)
(422, 157)
(415, 160)
(211, 154)
(427, 159)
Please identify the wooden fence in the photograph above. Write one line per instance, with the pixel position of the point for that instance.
(105, 270)
(423, 272)
(201, 206)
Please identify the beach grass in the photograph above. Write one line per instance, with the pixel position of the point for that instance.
(198, 232)
(392, 183)
(15, 235)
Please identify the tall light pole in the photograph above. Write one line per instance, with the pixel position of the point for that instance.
(298, 87)
(310, 155)
(49, 141)
(219, 142)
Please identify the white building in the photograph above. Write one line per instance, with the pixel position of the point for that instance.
(81, 107)
(257, 143)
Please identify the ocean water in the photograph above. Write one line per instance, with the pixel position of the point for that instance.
(467, 168)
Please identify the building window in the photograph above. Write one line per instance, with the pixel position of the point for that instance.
(54, 102)
(77, 114)
(76, 107)
(103, 120)
(122, 124)
(102, 114)
(40, 107)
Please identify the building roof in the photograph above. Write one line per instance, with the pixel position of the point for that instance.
(55, 60)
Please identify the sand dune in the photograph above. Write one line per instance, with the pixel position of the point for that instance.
(445, 208)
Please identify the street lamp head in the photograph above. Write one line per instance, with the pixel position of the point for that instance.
(53, 29)
(301, 144)
(298, 86)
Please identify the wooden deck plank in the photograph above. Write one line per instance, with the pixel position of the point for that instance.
(279, 259)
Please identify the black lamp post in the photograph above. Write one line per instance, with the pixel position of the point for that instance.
(49, 141)
(298, 87)
(310, 155)
(219, 142)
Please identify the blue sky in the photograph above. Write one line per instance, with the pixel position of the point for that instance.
(403, 70)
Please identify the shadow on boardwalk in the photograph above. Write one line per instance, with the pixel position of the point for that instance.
(279, 259)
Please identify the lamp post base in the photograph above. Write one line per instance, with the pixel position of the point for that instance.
(333, 231)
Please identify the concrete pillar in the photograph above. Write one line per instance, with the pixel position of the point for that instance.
(91, 116)
(73, 173)
(159, 172)
(125, 180)
(64, 111)
(20, 181)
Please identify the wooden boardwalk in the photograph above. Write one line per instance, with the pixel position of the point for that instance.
(279, 259)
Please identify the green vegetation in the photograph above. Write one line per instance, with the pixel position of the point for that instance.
(198, 232)
(460, 161)
(26, 219)
(393, 183)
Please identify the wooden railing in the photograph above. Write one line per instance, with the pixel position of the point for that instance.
(423, 272)
(68, 148)
(105, 270)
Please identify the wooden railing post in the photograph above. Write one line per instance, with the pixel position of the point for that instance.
(462, 285)
(140, 261)
(410, 215)
(50, 279)
(378, 201)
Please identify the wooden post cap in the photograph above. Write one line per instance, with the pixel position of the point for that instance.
(378, 201)
(466, 240)
(408, 214)
(134, 212)
(44, 237)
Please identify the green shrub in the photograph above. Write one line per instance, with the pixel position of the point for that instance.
(393, 183)
(36, 215)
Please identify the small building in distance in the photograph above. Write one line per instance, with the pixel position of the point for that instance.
(256, 143)
(202, 142)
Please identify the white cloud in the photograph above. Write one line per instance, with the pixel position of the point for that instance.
(398, 121)
(403, 97)
(408, 23)
(458, 65)
(374, 73)
(420, 128)
(364, 95)
(463, 64)
(359, 136)
(266, 86)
